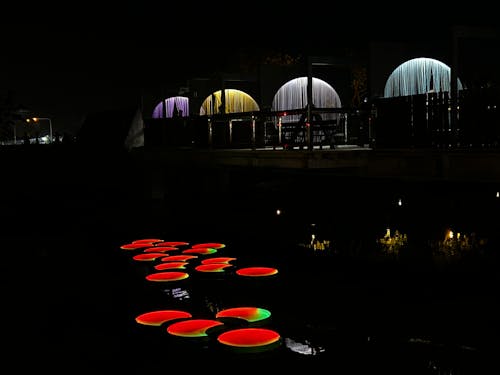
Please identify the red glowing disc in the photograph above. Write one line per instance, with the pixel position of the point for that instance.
(147, 240)
(170, 265)
(248, 337)
(134, 246)
(250, 314)
(172, 243)
(157, 318)
(257, 271)
(148, 256)
(214, 267)
(167, 276)
(214, 245)
(178, 258)
(158, 249)
(217, 260)
(193, 327)
(200, 250)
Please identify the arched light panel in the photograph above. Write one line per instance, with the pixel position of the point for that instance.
(293, 95)
(236, 101)
(167, 107)
(419, 76)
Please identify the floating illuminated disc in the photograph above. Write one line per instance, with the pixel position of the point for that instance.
(200, 250)
(248, 337)
(147, 240)
(170, 265)
(172, 243)
(134, 246)
(167, 276)
(217, 260)
(250, 314)
(157, 318)
(148, 256)
(193, 327)
(158, 249)
(257, 271)
(214, 245)
(178, 258)
(214, 267)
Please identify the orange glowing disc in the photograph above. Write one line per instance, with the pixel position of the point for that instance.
(257, 271)
(157, 318)
(167, 276)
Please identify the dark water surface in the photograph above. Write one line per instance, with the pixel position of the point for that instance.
(71, 294)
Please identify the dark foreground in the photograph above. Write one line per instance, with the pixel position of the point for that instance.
(70, 294)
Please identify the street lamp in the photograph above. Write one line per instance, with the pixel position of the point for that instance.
(36, 119)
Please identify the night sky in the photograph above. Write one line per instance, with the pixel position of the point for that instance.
(63, 61)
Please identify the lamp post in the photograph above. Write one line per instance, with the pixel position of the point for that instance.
(36, 119)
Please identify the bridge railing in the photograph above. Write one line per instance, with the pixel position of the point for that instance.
(424, 120)
(321, 127)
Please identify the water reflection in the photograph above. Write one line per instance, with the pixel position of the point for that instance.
(305, 347)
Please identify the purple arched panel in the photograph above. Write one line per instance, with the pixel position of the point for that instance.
(178, 105)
